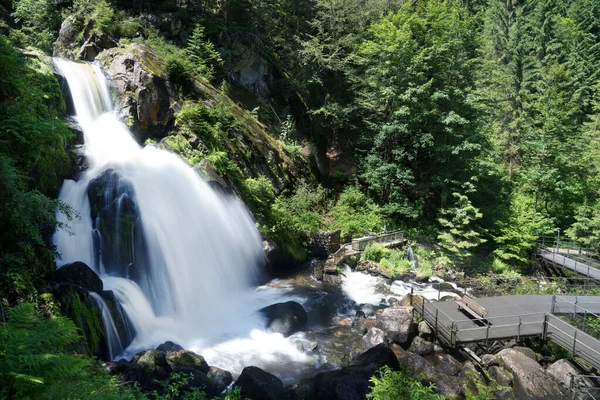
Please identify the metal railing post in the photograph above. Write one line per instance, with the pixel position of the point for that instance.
(519, 329)
(487, 332)
(545, 327)
(552, 309)
(574, 342)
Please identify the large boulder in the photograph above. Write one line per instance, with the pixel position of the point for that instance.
(198, 379)
(146, 97)
(372, 338)
(220, 378)
(151, 367)
(530, 381)
(398, 325)
(66, 42)
(169, 347)
(421, 346)
(78, 273)
(351, 382)
(379, 355)
(564, 370)
(500, 376)
(449, 365)
(187, 359)
(428, 374)
(285, 318)
(257, 384)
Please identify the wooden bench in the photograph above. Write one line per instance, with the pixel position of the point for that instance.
(469, 304)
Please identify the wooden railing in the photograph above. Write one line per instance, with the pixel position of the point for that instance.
(360, 244)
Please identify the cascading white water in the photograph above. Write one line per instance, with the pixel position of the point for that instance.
(180, 258)
(115, 347)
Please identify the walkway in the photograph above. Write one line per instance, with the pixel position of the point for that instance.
(387, 239)
(516, 317)
(573, 262)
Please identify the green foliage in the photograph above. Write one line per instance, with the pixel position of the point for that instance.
(459, 234)
(414, 85)
(374, 252)
(517, 236)
(202, 54)
(391, 262)
(34, 362)
(586, 228)
(392, 385)
(259, 195)
(292, 219)
(97, 15)
(33, 160)
(354, 214)
(39, 21)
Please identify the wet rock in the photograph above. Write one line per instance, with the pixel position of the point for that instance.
(563, 370)
(285, 318)
(530, 381)
(421, 346)
(123, 325)
(169, 347)
(187, 359)
(351, 382)
(380, 355)
(500, 376)
(220, 378)
(397, 323)
(146, 98)
(151, 367)
(78, 273)
(449, 365)
(80, 307)
(424, 330)
(259, 385)
(526, 351)
(372, 338)
(197, 379)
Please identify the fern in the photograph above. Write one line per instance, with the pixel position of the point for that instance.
(34, 362)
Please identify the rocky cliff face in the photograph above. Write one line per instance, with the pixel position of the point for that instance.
(144, 94)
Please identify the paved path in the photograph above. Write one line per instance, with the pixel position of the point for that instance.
(516, 317)
(569, 261)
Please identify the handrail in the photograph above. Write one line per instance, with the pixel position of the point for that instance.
(383, 237)
(450, 329)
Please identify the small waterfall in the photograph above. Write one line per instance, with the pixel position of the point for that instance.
(180, 258)
(412, 257)
(115, 347)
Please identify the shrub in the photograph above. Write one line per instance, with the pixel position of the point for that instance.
(393, 385)
(374, 252)
(354, 213)
(34, 362)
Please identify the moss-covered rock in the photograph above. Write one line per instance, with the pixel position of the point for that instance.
(145, 95)
(78, 273)
(75, 302)
(187, 359)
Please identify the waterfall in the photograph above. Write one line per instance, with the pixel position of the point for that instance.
(115, 347)
(180, 258)
(412, 257)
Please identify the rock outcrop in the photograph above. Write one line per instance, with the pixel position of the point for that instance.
(285, 318)
(398, 325)
(146, 98)
(530, 381)
(257, 384)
